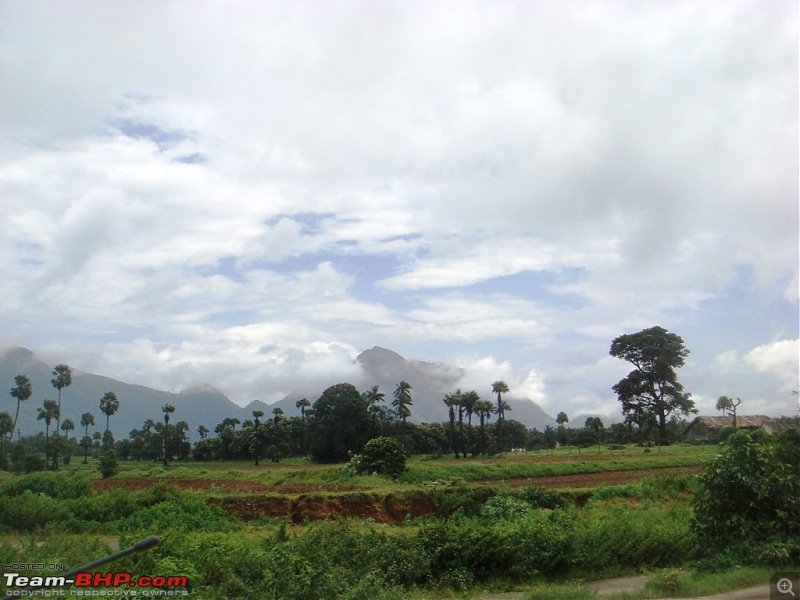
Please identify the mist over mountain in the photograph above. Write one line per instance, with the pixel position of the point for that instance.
(199, 405)
(206, 405)
(429, 382)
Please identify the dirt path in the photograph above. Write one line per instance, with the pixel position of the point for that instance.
(617, 585)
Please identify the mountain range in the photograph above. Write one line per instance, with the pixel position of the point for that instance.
(206, 405)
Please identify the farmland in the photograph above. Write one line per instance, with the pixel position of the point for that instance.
(444, 528)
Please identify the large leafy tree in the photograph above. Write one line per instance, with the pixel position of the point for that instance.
(21, 392)
(339, 423)
(651, 392)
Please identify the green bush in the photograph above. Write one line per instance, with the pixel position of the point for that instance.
(29, 510)
(539, 497)
(383, 456)
(625, 536)
(749, 499)
(108, 464)
(500, 508)
(54, 485)
(188, 512)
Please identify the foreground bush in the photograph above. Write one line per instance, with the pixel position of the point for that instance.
(749, 501)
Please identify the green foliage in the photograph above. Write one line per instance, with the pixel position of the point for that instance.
(54, 485)
(384, 456)
(339, 423)
(749, 499)
(539, 497)
(187, 512)
(108, 464)
(499, 508)
(642, 536)
(461, 500)
(667, 581)
(29, 510)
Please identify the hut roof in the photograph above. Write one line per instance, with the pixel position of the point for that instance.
(742, 422)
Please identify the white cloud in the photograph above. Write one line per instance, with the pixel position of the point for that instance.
(354, 170)
(778, 358)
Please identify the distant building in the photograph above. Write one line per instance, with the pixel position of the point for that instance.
(707, 429)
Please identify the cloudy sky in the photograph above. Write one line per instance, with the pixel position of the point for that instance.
(251, 193)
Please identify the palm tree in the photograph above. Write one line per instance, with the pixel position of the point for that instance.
(402, 400)
(62, 378)
(484, 410)
(67, 426)
(451, 402)
(6, 428)
(561, 419)
(203, 431)
(108, 406)
(86, 420)
(257, 414)
(22, 392)
(374, 398)
(500, 388)
(167, 409)
(302, 404)
(47, 413)
(278, 413)
(469, 400)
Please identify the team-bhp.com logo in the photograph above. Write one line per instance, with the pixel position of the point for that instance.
(120, 584)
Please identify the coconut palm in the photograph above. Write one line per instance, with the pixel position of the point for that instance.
(22, 392)
(402, 400)
(108, 406)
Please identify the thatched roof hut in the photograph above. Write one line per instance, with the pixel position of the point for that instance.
(708, 428)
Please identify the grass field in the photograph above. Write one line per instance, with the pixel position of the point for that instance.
(446, 528)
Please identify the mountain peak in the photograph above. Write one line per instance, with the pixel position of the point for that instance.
(380, 356)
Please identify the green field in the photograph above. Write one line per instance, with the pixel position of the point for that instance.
(445, 528)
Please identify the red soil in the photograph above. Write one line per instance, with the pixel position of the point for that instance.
(253, 501)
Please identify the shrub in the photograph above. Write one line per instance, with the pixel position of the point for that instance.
(108, 464)
(29, 511)
(384, 456)
(539, 497)
(749, 499)
(54, 485)
(187, 512)
(504, 508)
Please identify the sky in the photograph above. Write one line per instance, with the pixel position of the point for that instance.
(249, 194)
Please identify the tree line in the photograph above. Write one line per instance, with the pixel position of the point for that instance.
(342, 420)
